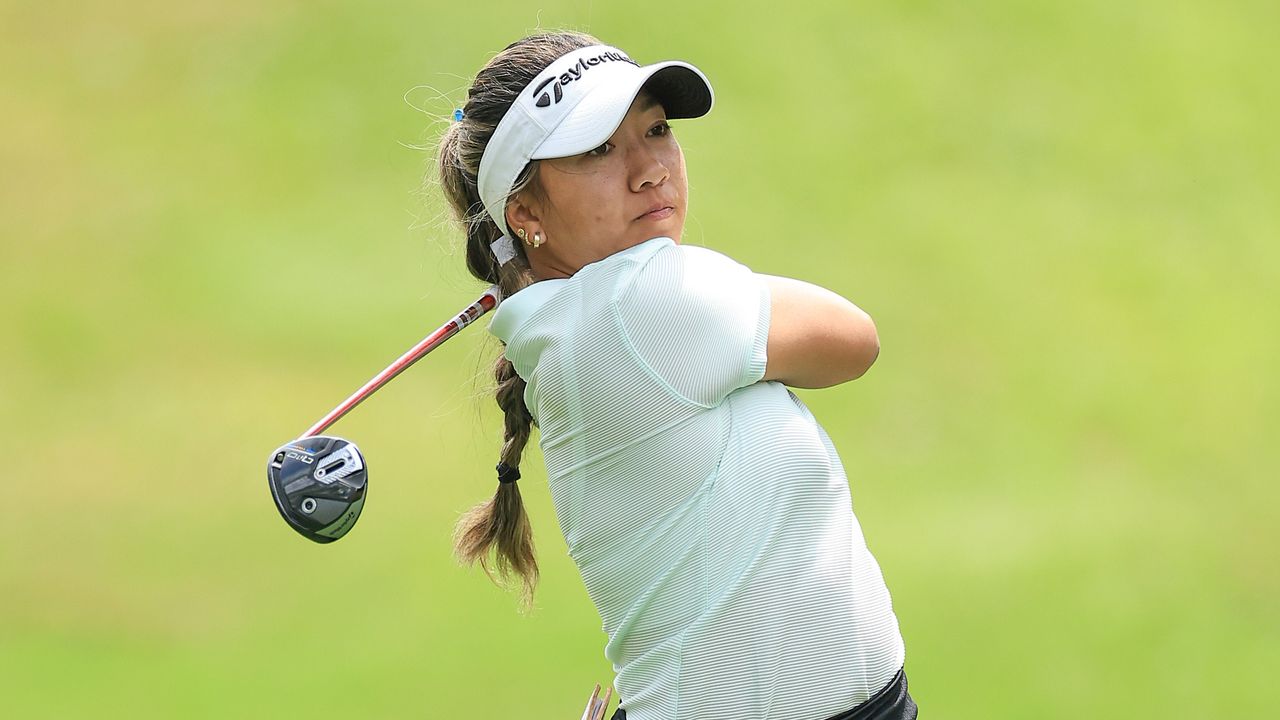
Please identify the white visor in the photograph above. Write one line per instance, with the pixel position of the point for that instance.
(574, 106)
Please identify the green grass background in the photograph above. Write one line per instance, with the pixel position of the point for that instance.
(1063, 216)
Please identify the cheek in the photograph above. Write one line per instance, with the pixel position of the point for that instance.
(578, 199)
(678, 177)
(591, 201)
(599, 195)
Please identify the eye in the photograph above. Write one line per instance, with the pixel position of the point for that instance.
(660, 129)
(600, 151)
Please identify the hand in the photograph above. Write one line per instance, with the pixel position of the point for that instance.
(596, 707)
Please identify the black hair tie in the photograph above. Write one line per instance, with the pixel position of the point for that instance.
(507, 474)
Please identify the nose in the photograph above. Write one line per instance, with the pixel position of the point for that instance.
(647, 169)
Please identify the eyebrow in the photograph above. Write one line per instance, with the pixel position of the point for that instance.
(649, 102)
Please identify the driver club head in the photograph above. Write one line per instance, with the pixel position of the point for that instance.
(319, 485)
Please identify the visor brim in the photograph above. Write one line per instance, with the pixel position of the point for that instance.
(681, 88)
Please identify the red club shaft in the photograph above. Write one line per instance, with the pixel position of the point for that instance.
(487, 302)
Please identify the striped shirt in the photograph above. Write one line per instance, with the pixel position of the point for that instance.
(708, 512)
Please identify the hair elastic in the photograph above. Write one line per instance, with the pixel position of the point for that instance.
(458, 115)
(507, 474)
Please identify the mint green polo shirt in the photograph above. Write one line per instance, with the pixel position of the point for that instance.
(708, 512)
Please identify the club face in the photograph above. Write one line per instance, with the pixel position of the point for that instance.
(319, 485)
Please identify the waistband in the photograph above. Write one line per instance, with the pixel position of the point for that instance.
(892, 702)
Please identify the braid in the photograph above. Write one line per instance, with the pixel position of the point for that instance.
(517, 421)
(499, 525)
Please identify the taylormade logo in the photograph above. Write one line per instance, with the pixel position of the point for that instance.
(555, 94)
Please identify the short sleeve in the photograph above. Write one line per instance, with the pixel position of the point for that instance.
(697, 320)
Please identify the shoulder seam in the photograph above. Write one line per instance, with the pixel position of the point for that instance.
(616, 313)
(631, 350)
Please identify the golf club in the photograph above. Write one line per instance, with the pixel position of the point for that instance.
(319, 482)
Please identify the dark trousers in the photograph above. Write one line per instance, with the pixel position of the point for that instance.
(891, 703)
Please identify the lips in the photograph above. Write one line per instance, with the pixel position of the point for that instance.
(658, 212)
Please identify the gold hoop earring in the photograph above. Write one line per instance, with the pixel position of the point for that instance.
(537, 239)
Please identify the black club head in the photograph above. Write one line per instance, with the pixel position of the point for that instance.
(319, 485)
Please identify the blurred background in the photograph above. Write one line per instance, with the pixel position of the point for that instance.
(214, 226)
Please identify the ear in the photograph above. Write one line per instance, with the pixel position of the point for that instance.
(522, 212)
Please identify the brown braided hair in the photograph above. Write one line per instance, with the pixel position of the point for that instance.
(499, 525)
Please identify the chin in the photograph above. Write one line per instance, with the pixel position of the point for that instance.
(672, 229)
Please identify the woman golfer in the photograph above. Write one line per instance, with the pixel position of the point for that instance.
(705, 507)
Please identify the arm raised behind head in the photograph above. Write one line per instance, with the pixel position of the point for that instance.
(817, 339)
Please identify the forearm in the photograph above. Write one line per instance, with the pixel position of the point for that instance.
(817, 338)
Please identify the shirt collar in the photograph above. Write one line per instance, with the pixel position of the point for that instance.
(514, 311)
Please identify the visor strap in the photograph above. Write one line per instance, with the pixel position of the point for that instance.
(503, 249)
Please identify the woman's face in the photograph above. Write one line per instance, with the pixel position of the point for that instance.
(628, 190)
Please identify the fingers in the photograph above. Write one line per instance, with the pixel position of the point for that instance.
(590, 712)
(604, 704)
